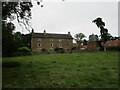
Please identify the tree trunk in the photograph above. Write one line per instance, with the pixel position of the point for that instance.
(103, 44)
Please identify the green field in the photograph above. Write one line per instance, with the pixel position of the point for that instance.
(75, 70)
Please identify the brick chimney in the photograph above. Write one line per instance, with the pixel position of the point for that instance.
(44, 32)
(69, 33)
(32, 30)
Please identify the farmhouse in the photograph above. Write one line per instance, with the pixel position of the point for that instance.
(50, 42)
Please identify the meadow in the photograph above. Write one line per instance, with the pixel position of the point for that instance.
(70, 70)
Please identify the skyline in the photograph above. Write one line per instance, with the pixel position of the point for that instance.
(76, 17)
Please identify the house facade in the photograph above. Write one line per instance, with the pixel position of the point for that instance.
(49, 41)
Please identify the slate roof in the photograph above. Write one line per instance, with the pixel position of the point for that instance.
(50, 35)
(93, 38)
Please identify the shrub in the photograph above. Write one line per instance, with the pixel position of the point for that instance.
(59, 50)
(24, 51)
(113, 48)
(44, 51)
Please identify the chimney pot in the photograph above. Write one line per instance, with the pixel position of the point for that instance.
(44, 32)
(69, 33)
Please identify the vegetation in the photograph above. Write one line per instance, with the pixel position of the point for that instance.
(103, 31)
(79, 39)
(11, 11)
(77, 70)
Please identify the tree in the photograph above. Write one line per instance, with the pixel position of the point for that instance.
(103, 31)
(10, 11)
(85, 42)
(17, 10)
(79, 38)
(7, 38)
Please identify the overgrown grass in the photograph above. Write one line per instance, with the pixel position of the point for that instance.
(79, 70)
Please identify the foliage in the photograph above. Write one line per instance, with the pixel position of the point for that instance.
(11, 11)
(74, 48)
(23, 49)
(17, 10)
(59, 50)
(79, 38)
(113, 48)
(103, 31)
(85, 42)
(44, 51)
(76, 70)
(7, 39)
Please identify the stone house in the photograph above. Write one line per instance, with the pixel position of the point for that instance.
(50, 41)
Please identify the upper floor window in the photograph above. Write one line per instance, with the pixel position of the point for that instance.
(60, 45)
(39, 39)
(51, 44)
(39, 45)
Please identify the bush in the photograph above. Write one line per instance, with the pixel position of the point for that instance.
(44, 51)
(11, 64)
(113, 48)
(74, 48)
(59, 50)
(24, 51)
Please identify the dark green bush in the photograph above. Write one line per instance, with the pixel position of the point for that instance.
(44, 51)
(11, 64)
(113, 48)
(24, 51)
(59, 50)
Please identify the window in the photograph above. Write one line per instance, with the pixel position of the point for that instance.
(60, 45)
(39, 45)
(51, 44)
(67, 49)
(39, 39)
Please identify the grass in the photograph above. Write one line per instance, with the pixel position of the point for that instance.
(76, 70)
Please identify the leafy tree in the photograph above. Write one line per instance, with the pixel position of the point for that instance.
(79, 38)
(7, 38)
(17, 10)
(103, 31)
(10, 11)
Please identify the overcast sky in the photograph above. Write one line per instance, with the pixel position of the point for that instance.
(76, 17)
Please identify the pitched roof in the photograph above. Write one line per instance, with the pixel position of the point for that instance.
(93, 38)
(50, 35)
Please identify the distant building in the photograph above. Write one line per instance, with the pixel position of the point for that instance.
(112, 43)
(49, 41)
(93, 43)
